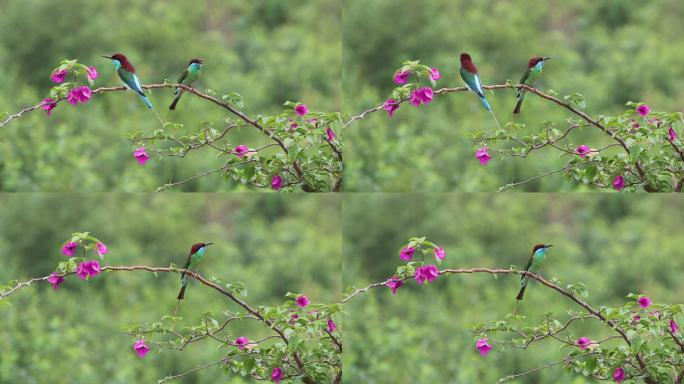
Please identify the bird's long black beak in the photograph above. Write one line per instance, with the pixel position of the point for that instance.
(107, 57)
(547, 58)
(205, 244)
(549, 246)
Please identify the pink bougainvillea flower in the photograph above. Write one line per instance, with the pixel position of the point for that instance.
(582, 151)
(671, 134)
(426, 94)
(401, 77)
(440, 253)
(88, 269)
(644, 302)
(58, 76)
(394, 283)
(635, 125)
(79, 95)
(331, 326)
(428, 272)
(240, 150)
(48, 105)
(302, 301)
(55, 280)
(69, 248)
(635, 319)
(92, 73)
(101, 248)
(643, 110)
(483, 346)
(421, 96)
(330, 133)
(619, 375)
(140, 348)
(390, 106)
(618, 182)
(141, 155)
(416, 98)
(276, 183)
(583, 343)
(301, 109)
(406, 253)
(72, 97)
(241, 341)
(482, 155)
(434, 74)
(276, 375)
(673, 326)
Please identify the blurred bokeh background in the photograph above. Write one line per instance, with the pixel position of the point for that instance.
(273, 244)
(610, 51)
(269, 51)
(613, 244)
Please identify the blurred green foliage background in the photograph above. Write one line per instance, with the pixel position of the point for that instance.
(610, 51)
(613, 244)
(269, 51)
(273, 244)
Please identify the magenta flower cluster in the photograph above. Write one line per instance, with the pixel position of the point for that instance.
(276, 183)
(421, 96)
(301, 109)
(141, 155)
(240, 150)
(277, 375)
(79, 95)
(69, 248)
(390, 106)
(241, 342)
(483, 347)
(55, 280)
(482, 155)
(141, 348)
(583, 343)
(88, 269)
(302, 301)
(406, 253)
(394, 283)
(427, 272)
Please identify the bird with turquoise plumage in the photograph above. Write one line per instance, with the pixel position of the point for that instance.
(472, 81)
(472, 78)
(537, 258)
(196, 255)
(531, 75)
(189, 76)
(126, 73)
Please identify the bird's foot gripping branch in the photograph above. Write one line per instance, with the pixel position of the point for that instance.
(641, 149)
(297, 341)
(299, 151)
(639, 341)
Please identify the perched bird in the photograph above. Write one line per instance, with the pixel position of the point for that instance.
(536, 260)
(127, 74)
(533, 73)
(196, 255)
(189, 76)
(472, 79)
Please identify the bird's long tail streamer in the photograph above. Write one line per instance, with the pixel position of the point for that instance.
(158, 117)
(495, 119)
